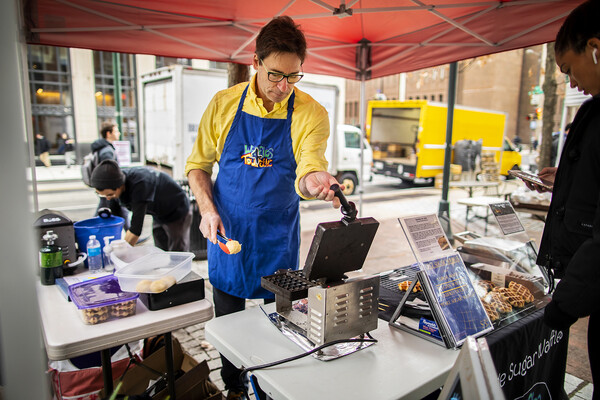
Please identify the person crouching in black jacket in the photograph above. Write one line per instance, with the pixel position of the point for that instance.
(146, 191)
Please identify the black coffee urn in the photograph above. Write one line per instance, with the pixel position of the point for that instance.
(50, 220)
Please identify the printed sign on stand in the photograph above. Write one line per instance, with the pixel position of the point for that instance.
(455, 307)
(123, 152)
(507, 218)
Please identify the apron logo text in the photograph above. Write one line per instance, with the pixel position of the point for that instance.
(257, 156)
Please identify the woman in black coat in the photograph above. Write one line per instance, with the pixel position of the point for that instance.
(570, 246)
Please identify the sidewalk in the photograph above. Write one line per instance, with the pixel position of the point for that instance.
(55, 173)
(389, 252)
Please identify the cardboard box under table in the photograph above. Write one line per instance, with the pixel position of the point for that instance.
(147, 377)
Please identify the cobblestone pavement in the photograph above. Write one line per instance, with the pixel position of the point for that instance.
(384, 253)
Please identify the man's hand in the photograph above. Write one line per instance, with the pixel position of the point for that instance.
(201, 185)
(548, 174)
(317, 184)
(209, 224)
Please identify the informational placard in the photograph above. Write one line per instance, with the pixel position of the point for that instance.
(123, 152)
(507, 218)
(426, 236)
(455, 306)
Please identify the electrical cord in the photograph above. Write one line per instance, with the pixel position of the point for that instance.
(293, 358)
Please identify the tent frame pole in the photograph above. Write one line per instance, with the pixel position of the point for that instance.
(444, 206)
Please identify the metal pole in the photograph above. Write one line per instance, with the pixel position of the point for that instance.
(444, 208)
(116, 62)
(362, 145)
(363, 62)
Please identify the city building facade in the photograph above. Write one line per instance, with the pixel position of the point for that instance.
(509, 82)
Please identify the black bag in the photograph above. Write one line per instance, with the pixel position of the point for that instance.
(90, 161)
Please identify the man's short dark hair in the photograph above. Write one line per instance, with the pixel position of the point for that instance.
(281, 35)
(106, 129)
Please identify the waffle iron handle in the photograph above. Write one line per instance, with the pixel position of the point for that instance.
(348, 208)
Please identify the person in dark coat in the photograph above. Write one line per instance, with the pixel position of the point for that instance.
(42, 149)
(570, 246)
(556, 144)
(106, 151)
(145, 191)
(104, 146)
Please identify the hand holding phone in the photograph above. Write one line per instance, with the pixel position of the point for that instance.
(532, 178)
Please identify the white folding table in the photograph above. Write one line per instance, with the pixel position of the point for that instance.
(66, 336)
(399, 366)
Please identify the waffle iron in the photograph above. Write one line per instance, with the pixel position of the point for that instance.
(334, 307)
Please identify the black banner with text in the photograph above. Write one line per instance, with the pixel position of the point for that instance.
(530, 359)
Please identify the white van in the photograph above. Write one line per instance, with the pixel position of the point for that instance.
(343, 154)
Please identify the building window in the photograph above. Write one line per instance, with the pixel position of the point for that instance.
(166, 61)
(218, 65)
(441, 97)
(105, 96)
(51, 95)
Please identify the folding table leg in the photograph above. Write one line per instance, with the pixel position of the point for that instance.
(107, 371)
(170, 369)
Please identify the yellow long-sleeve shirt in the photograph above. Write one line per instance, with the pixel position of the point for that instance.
(309, 130)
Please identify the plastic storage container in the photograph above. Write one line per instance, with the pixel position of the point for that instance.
(123, 255)
(101, 299)
(156, 272)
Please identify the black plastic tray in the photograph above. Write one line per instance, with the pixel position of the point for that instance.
(190, 288)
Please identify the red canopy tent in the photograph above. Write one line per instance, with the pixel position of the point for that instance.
(392, 35)
(358, 39)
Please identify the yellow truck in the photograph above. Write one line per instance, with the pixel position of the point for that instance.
(408, 138)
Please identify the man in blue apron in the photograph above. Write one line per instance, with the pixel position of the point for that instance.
(269, 139)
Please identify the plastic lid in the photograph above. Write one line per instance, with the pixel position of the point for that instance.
(98, 292)
(92, 237)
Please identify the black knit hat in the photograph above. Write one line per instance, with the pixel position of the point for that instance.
(107, 175)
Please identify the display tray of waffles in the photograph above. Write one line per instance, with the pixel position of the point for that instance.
(491, 311)
(482, 287)
(512, 297)
(406, 284)
(496, 300)
(522, 291)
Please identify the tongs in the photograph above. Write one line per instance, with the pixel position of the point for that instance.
(222, 245)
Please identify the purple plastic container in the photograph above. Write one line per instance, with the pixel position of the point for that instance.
(101, 299)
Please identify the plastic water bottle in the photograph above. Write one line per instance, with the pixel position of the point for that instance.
(94, 255)
(108, 264)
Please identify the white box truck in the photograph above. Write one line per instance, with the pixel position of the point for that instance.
(175, 97)
(343, 146)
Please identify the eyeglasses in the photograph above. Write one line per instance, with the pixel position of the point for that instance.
(278, 76)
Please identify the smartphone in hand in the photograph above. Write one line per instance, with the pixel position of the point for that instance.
(529, 177)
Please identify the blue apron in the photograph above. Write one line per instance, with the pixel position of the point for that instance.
(254, 194)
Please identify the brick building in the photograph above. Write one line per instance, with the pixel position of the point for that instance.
(503, 82)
